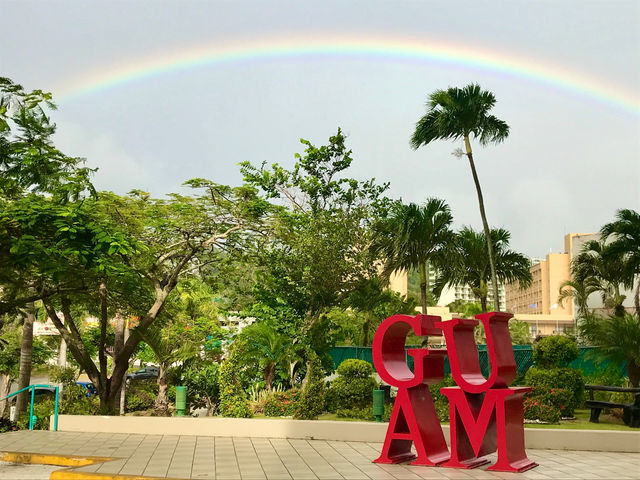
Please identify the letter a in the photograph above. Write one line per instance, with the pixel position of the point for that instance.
(414, 419)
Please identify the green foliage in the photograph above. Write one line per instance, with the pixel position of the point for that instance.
(569, 379)
(282, 404)
(439, 400)
(141, 395)
(618, 339)
(316, 251)
(364, 413)
(555, 351)
(64, 375)
(202, 382)
(312, 401)
(233, 398)
(353, 388)
(469, 263)
(520, 332)
(536, 409)
(7, 425)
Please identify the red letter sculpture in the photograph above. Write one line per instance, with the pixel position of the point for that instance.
(485, 414)
(414, 418)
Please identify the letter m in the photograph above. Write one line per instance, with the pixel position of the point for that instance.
(483, 423)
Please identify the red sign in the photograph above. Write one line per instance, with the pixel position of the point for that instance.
(485, 414)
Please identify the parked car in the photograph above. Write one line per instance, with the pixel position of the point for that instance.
(144, 373)
(89, 387)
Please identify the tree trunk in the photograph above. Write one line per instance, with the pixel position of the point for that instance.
(636, 299)
(423, 287)
(633, 369)
(423, 296)
(26, 350)
(365, 330)
(485, 226)
(269, 375)
(5, 387)
(161, 406)
(483, 303)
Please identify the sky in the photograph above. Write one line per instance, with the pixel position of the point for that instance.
(156, 92)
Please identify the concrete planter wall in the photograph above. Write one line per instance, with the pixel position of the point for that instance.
(535, 438)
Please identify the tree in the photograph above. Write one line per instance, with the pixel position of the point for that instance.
(169, 346)
(459, 113)
(375, 302)
(26, 351)
(470, 265)
(315, 250)
(579, 291)
(625, 233)
(414, 236)
(618, 339)
(596, 267)
(162, 241)
(263, 345)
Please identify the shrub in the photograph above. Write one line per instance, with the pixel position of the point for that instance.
(141, 395)
(312, 400)
(233, 398)
(7, 425)
(569, 379)
(282, 404)
(439, 400)
(536, 409)
(353, 388)
(611, 376)
(555, 351)
(365, 413)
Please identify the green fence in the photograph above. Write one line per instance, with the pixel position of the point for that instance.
(523, 353)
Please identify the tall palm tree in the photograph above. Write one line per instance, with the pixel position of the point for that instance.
(459, 113)
(625, 232)
(471, 265)
(413, 237)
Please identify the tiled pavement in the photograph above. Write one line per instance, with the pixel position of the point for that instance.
(261, 458)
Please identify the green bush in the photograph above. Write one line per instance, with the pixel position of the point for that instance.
(233, 398)
(536, 409)
(282, 404)
(312, 400)
(611, 376)
(141, 395)
(354, 368)
(555, 351)
(569, 379)
(353, 388)
(439, 400)
(365, 413)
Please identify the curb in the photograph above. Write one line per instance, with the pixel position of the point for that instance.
(72, 461)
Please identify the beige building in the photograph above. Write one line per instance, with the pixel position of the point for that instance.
(538, 304)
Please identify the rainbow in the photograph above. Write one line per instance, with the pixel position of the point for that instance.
(378, 49)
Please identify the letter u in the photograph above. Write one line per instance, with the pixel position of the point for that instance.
(463, 351)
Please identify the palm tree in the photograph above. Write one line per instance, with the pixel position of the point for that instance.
(618, 339)
(26, 352)
(625, 231)
(579, 291)
(168, 349)
(594, 265)
(265, 346)
(413, 237)
(459, 113)
(471, 265)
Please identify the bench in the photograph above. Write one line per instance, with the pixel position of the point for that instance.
(630, 411)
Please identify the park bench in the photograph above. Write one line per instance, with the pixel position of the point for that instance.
(630, 411)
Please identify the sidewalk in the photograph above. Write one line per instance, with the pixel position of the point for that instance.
(262, 458)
